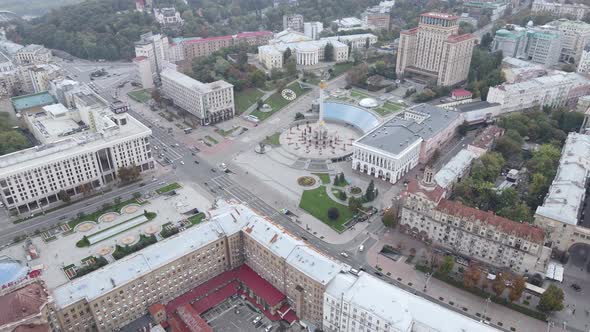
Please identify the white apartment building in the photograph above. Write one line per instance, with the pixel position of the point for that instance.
(469, 232)
(36, 78)
(555, 90)
(210, 102)
(168, 17)
(9, 76)
(355, 41)
(574, 37)
(32, 55)
(313, 29)
(392, 149)
(561, 213)
(349, 23)
(434, 52)
(584, 63)
(293, 22)
(155, 49)
(575, 11)
(81, 151)
(143, 72)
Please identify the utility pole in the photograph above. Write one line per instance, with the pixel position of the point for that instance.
(428, 276)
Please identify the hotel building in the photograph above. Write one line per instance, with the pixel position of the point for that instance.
(434, 52)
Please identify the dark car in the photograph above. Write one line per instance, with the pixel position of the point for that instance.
(213, 170)
(576, 287)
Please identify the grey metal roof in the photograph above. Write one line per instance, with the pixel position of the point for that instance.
(396, 134)
(475, 106)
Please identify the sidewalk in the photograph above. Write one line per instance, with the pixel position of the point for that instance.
(458, 298)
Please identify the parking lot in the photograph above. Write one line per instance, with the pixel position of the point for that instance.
(237, 315)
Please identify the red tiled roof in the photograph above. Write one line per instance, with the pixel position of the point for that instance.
(22, 303)
(410, 31)
(202, 289)
(155, 308)
(291, 317)
(252, 301)
(434, 195)
(261, 287)
(192, 320)
(461, 93)
(508, 226)
(215, 298)
(32, 328)
(460, 38)
(254, 34)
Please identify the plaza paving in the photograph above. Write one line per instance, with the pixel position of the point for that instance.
(56, 254)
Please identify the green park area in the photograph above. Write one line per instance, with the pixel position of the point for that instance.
(277, 102)
(246, 98)
(317, 203)
(389, 108)
(168, 187)
(197, 218)
(273, 139)
(107, 207)
(325, 177)
(340, 68)
(141, 96)
(11, 140)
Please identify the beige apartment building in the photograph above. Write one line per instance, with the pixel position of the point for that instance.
(434, 52)
(121, 292)
(469, 232)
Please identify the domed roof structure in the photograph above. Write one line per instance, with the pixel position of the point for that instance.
(368, 102)
(11, 270)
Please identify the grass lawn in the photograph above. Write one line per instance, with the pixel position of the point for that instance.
(211, 139)
(317, 202)
(272, 139)
(141, 96)
(340, 68)
(197, 218)
(246, 98)
(277, 102)
(225, 133)
(325, 177)
(389, 108)
(357, 94)
(168, 187)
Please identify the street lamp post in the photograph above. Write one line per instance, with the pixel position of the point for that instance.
(485, 308)
(550, 324)
(428, 276)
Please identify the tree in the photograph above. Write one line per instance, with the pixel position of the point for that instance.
(518, 287)
(136, 195)
(367, 43)
(499, 284)
(446, 266)
(551, 300)
(471, 275)
(463, 128)
(329, 52)
(286, 55)
(354, 204)
(299, 116)
(357, 75)
(64, 196)
(370, 192)
(128, 174)
(259, 104)
(357, 57)
(292, 66)
(156, 96)
(333, 213)
(390, 216)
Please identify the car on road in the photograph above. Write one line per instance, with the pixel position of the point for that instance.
(193, 154)
(182, 162)
(379, 273)
(576, 287)
(62, 217)
(196, 162)
(213, 170)
(361, 248)
(343, 254)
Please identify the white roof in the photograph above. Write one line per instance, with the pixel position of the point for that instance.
(191, 83)
(348, 22)
(554, 271)
(455, 168)
(315, 264)
(347, 38)
(289, 36)
(401, 309)
(566, 194)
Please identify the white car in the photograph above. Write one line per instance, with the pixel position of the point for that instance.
(268, 328)
(256, 320)
(182, 162)
(343, 254)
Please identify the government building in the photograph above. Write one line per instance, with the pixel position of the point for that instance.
(80, 151)
(434, 52)
(471, 233)
(238, 252)
(209, 102)
(393, 148)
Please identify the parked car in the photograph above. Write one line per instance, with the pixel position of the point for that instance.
(343, 254)
(256, 320)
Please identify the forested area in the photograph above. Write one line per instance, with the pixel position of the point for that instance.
(91, 30)
(11, 140)
(545, 130)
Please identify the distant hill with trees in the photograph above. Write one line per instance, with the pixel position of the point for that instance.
(34, 7)
(94, 29)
